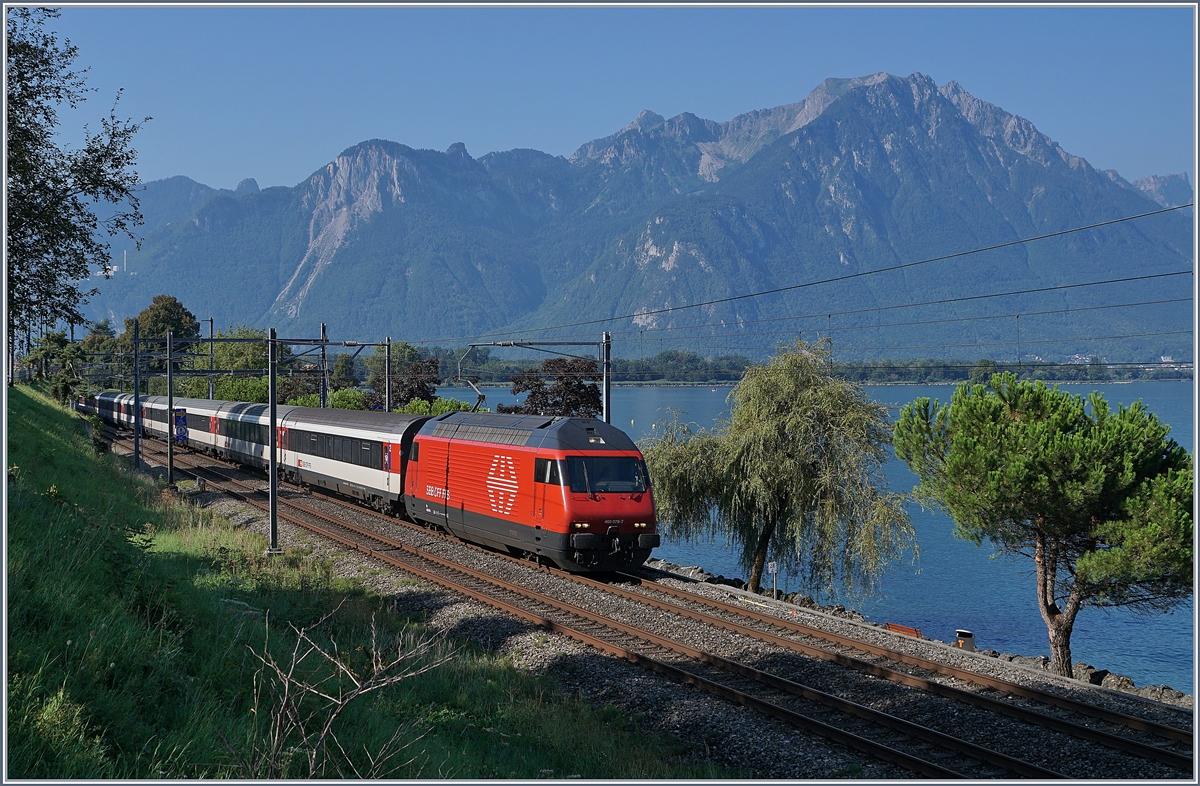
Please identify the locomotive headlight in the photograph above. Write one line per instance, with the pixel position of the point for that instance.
(640, 525)
(580, 524)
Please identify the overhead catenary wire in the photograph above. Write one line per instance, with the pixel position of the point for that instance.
(756, 334)
(943, 301)
(793, 287)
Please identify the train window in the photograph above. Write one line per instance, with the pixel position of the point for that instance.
(413, 450)
(600, 474)
(337, 448)
(376, 455)
(546, 471)
(311, 447)
(364, 455)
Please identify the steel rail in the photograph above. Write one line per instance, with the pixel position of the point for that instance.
(850, 739)
(1062, 702)
(1117, 742)
(1122, 744)
(857, 742)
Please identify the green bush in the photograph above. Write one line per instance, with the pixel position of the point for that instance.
(440, 406)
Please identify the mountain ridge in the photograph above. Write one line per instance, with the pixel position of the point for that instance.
(860, 174)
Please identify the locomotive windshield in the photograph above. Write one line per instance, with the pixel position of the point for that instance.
(600, 474)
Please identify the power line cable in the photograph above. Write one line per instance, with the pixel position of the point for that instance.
(751, 335)
(1022, 342)
(835, 279)
(923, 303)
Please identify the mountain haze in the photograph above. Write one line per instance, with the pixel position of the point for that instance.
(862, 174)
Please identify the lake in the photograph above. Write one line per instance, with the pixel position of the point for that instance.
(955, 584)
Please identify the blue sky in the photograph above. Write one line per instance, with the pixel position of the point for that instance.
(274, 93)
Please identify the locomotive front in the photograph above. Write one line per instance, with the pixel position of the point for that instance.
(571, 490)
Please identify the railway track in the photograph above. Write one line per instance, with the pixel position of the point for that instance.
(923, 750)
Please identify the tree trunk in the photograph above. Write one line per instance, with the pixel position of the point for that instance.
(1060, 647)
(760, 556)
(1059, 622)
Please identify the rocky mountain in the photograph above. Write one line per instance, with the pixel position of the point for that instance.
(1166, 190)
(862, 174)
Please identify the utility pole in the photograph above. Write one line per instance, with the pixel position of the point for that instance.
(137, 399)
(324, 369)
(606, 343)
(170, 413)
(387, 374)
(210, 358)
(273, 470)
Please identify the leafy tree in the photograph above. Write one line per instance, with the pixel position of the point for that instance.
(982, 371)
(98, 348)
(46, 351)
(403, 355)
(165, 314)
(795, 472)
(343, 373)
(255, 390)
(572, 392)
(1100, 501)
(348, 399)
(439, 406)
(296, 387)
(415, 381)
(52, 193)
(102, 329)
(67, 379)
(243, 356)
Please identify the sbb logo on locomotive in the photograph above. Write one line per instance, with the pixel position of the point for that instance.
(437, 493)
(502, 484)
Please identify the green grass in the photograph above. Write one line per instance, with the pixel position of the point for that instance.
(136, 623)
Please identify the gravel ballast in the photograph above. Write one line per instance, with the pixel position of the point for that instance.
(711, 728)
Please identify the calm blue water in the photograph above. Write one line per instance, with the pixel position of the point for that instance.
(956, 584)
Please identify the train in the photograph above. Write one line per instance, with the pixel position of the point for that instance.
(574, 492)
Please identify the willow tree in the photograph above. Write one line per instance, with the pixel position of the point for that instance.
(1101, 501)
(794, 473)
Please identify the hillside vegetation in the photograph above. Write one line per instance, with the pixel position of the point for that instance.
(138, 632)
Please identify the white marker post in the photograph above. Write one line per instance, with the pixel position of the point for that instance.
(772, 568)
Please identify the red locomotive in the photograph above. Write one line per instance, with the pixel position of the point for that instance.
(572, 490)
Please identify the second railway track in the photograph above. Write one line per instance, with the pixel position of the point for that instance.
(783, 691)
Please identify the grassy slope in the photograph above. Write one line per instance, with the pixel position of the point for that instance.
(132, 620)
